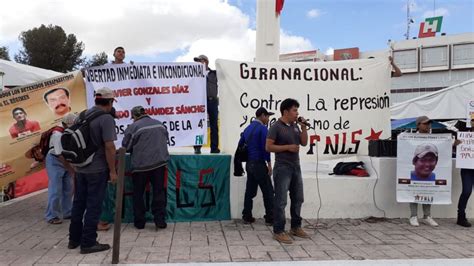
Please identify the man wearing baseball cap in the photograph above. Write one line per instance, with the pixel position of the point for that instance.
(147, 141)
(91, 180)
(424, 160)
(212, 104)
(258, 166)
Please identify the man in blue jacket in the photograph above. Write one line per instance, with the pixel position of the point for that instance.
(258, 166)
(147, 141)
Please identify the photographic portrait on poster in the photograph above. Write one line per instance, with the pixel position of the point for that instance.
(34, 109)
(424, 168)
(58, 100)
(22, 126)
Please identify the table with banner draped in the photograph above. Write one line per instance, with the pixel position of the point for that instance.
(197, 186)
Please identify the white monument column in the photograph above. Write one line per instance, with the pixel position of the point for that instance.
(268, 32)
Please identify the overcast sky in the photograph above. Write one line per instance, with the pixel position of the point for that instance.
(178, 30)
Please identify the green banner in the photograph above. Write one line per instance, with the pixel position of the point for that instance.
(198, 190)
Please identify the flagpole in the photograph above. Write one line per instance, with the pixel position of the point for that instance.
(268, 31)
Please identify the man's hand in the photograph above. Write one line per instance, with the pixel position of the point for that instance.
(457, 142)
(270, 171)
(294, 148)
(113, 177)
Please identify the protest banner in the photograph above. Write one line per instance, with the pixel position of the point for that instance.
(28, 111)
(470, 113)
(465, 150)
(424, 168)
(174, 93)
(346, 102)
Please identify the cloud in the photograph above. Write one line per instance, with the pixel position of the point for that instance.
(145, 28)
(313, 13)
(438, 12)
(329, 51)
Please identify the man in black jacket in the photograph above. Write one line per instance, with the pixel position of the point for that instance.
(212, 104)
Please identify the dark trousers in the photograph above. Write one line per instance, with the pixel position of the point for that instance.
(213, 112)
(86, 208)
(467, 177)
(257, 176)
(287, 178)
(158, 204)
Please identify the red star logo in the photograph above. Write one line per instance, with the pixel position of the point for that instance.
(374, 135)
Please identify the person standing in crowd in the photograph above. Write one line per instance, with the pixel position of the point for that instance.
(258, 166)
(119, 57)
(91, 180)
(467, 178)
(284, 139)
(146, 140)
(423, 126)
(22, 126)
(60, 175)
(212, 104)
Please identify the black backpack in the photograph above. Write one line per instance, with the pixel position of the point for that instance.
(78, 147)
(242, 153)
(343, 168)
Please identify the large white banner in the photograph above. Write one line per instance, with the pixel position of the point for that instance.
(465, 150)
(347, 102)
(424, 168)
(173, 93)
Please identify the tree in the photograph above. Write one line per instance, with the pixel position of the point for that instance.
(98, 59)
(49, 47)
(4, 53)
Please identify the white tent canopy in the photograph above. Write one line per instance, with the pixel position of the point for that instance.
(15, 74)
(448, 103)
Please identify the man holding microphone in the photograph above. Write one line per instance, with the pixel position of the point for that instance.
(284, 139)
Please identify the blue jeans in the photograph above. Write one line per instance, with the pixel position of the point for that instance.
(213, 112)
(257, 175)
(467, 177)
(59, 189)
(86, 207)
(287, 178)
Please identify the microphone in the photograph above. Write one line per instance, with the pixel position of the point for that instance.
(300, 120)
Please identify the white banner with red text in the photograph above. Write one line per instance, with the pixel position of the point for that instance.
(173, 93)
(346, 102)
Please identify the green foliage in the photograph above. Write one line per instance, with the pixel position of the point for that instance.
(4, 53)
(49, 47)
(98, 59)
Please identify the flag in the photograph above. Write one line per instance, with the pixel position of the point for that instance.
(279, 6)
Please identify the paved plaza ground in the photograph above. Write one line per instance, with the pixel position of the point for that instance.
(26, 239)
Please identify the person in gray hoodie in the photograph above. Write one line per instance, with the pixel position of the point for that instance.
(146, 139)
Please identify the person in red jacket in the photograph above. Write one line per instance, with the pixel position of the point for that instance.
(23, 126)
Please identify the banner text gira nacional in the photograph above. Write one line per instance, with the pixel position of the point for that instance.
(346, 102)
(173, 93)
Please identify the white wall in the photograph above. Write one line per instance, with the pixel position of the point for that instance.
(349, 196)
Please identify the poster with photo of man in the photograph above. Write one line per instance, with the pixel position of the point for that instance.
(28, 111)
(424, 168)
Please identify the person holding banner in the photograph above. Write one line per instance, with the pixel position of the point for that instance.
(23, 126)
(91, 180)
(284, 139)
(60, 177)
(258, 166)
(212, 104)
(423, 126)
(146, 140)
(467, 178)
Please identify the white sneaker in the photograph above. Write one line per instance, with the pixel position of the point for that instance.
(414, 221)
(429, 221)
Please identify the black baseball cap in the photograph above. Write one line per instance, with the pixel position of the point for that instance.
(261, 111)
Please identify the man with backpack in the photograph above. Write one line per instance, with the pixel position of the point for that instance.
(147, 141)
(258, 166)
(98, 132)
(60, 174)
